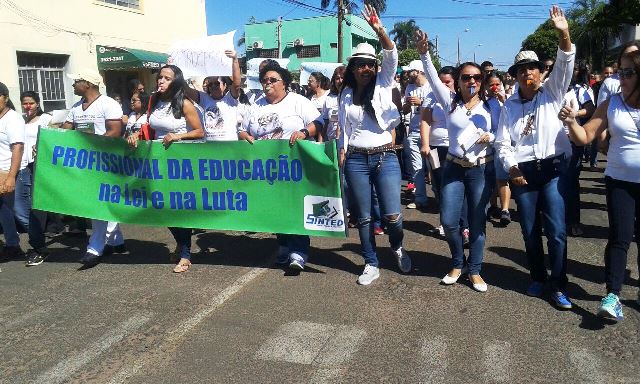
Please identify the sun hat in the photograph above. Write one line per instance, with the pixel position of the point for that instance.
(364, 51)
(525, 57)
(88, 75)
(416, 65)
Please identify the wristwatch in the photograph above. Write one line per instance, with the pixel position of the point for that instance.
(306, 133)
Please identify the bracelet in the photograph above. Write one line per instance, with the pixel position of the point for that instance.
(306, 133)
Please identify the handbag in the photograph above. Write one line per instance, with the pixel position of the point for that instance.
(146, 132)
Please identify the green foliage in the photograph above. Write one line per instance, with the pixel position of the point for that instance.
(544, 41)
(403, 34)
(353, 7)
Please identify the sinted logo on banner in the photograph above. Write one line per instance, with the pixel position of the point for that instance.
(323, 213)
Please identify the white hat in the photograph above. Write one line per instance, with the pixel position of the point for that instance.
(364, 51)
(525, 57)
(88, 75)
(416, 65)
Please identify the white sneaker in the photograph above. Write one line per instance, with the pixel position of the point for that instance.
(404, 261)
(369, 274)
(412, 206)
(441, 231)
(449, 280)
(297, 261)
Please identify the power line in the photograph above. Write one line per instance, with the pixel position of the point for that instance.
(507, 5)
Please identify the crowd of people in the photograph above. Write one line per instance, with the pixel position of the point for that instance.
(476, 137)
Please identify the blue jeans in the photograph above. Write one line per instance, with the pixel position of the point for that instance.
(7, 220)
(183, 241)
(412, 146)
(436, 184)
(298, 244)
(382, 171)
(546, 192)
(476, 184)
(30, 219)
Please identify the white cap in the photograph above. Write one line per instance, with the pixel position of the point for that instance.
(88, 75)
(416, 65)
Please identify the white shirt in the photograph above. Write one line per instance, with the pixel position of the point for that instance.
(266, 121)
(547, 137)
(11, 132)
(583, 96)
(438, 135)
(221, 120)
(461, 123)
(610, 86)
(416, 111)
(330, 115)
(133, 124)
(31, 136)
(387, 116)
(318, 102)
(94, 118)
(623, 157)
(163, 121)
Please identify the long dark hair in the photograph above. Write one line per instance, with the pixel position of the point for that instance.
(456, 77)
(367, 94)
(635, 59)
(4, 91)
(338, 71)
(634, 43)
(175, 91)
(582, 77)
(323, 81)
(35, 98)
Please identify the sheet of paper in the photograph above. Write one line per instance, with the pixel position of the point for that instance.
(203, 56)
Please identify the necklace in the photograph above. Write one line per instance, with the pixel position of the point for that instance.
(470, 108)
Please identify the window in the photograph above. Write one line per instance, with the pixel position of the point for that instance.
(268, 53)
(134, 4)
(308, 51)
(44, 74)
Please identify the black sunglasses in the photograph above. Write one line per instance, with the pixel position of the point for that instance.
(364, 63)
(469, 77)
(626, 73)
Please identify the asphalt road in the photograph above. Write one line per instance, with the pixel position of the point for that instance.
(235, 317)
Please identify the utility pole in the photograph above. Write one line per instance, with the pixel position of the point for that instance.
(340, 19)
(279, 37)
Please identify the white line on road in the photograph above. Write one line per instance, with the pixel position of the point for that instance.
(497, 361)
(187, 326)
(434, 363)
(587, 366)
(65, 369)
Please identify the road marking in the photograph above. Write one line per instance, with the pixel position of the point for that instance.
(187, 326)
(434, 363)
(497, 361)
(587, 366)
(327, 346)
(65, 369)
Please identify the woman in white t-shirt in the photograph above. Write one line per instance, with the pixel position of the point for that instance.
(11, 150)
(621, 114)
(318, 89)
(138, 116)
(33, 221)
(330, 107)
(279, 115)
(174, 118)
(221, 117)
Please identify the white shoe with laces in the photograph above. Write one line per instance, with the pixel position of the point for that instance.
(369, 274)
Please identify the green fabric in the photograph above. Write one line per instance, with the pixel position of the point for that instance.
(113, 58)
(265, 187)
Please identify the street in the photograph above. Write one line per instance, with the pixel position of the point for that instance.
(235, 317)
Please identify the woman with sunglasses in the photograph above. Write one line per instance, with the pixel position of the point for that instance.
(535, 151)
(468, 170)
(368, 118)
(621, 115)
(285, 115)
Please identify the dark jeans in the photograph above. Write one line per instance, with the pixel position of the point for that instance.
(623, 205)
(436, 184)
(298, 244)
(382, 171)
(546, 193)
(476, 184)
(30, 219)
(183, 241)
(573, 193)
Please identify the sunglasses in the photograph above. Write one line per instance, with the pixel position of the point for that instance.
(362, 64)
(626, 73)
(477, 78)
(269, 80)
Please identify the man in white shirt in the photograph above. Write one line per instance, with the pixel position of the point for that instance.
(535, 150)
(100, 115)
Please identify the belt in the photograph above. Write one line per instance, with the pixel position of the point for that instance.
(372, 150)
(540, 162)
(469, 164)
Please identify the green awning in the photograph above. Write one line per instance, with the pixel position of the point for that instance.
(115, 58)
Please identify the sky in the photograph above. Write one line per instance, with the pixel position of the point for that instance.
(491, 29)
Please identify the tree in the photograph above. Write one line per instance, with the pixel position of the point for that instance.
(403, 32)
(543, 41)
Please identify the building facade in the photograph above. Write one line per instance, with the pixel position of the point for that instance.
(310, 39)
(123, 39)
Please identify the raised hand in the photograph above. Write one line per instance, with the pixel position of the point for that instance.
(230, 53)
(422, 42)
(556, 15)
(371, 16)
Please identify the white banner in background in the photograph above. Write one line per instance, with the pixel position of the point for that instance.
(253, 70)
(203, 56)
(308, 67)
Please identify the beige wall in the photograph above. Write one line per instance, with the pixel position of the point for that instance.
(87, 23)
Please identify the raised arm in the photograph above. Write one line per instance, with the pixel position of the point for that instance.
(441, 91)
(560, 77)
(583, 135)
(236, 75)
(389, 53)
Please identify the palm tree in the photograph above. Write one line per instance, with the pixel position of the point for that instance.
(403, 32)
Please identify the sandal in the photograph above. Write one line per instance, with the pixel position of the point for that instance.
(183, 266)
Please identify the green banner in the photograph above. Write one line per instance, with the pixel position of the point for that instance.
(265, 187)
